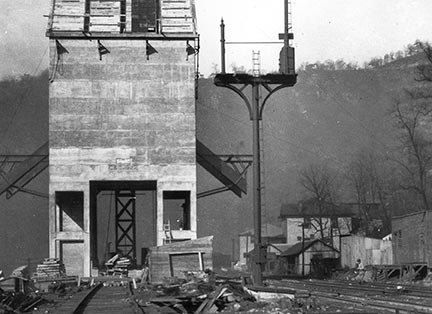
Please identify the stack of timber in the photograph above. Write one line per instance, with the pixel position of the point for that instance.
(178, 258)
(118, 266)
(50, 268)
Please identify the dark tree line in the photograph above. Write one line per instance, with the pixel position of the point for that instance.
(330, 65)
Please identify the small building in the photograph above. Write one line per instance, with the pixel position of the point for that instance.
(311, 257)
(412, 238)
(371, 251)
(269, 234)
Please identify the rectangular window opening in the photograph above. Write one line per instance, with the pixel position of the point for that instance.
(176, 209)
(334, 223)
(307, 222)
(71, 210)
(144, 15)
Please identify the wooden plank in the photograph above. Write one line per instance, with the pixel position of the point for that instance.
(68, 27)
(177, 21)
(67, 11)
(105, 28)
(128, 15)
(176, 13)
(171, 4)
(105, 5)
(177, 26)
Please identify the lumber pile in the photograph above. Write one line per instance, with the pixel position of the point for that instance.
(50, 268)
(118, 266)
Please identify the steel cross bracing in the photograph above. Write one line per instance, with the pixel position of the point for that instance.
(16, 171)
(125, 223)
(240, 164)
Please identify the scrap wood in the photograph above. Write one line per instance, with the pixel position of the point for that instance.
(208, 303)
(9, 309)
(266, 294)
(17, 303)
(33, 304)
(164, 300)
(154, 309)
(228, 291)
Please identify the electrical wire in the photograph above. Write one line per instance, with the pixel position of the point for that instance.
(278, 138)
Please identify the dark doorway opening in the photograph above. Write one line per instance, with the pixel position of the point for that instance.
(176, 206)
(122, 220)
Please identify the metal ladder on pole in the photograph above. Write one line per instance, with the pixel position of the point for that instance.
(289, 16)
(256, 63)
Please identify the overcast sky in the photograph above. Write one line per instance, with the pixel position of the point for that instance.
(354, 30)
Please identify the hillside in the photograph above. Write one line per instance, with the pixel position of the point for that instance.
(327, 117)
(23, 128)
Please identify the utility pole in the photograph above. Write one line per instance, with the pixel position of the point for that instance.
(222, 40)
(238, 82)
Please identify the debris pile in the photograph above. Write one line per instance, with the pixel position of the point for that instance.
(13, 302)
(50, 268)
(118, 266)
(205, 292)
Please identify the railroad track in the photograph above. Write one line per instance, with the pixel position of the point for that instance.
(383, 298)
(100, 299)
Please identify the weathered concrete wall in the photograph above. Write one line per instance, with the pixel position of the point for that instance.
(412, 238)
(122, 118)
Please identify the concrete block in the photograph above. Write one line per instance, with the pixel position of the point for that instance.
(186, 105)
(74, 105)
(185, 155)
(160, 155)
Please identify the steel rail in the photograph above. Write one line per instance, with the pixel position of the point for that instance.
(82, 303)
(374, 304)
(342, 293)
(388, 289)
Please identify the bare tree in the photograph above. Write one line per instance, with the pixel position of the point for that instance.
(368, 178)
(319, 180)
(411, 115)
(425, 70)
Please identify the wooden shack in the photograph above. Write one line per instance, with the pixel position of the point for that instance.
(174, 259)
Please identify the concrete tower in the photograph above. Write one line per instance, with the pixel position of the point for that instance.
(122, 142)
